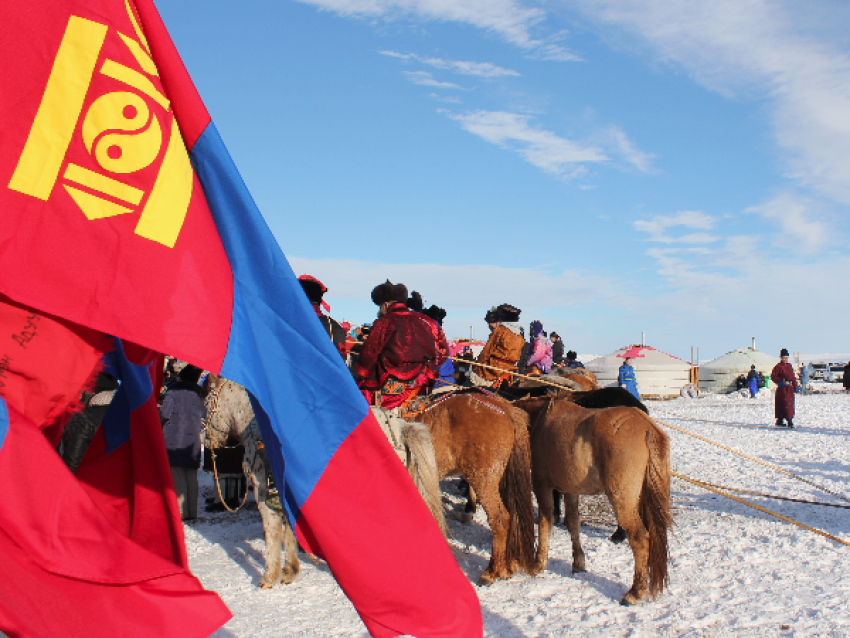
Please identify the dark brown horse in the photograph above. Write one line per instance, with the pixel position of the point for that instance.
(485, 440)
(616, 451)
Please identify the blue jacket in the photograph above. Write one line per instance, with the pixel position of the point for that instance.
(627, 378)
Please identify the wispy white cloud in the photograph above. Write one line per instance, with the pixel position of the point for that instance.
(466, 286)
(658, 226)
(553, 154)
(426, 79)
(798, 221)
(511, 20)
(449, 99)
(629, 152)
(760, 48)
(463, 67)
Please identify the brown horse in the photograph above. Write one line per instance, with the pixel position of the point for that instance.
(616, 451)
(485, 440)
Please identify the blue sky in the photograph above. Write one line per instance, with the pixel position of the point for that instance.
(611, 167)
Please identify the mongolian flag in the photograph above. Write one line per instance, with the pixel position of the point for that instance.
(123, 212)
(100, 554)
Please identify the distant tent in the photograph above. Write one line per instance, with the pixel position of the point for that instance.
(658, 373)
(718, 375)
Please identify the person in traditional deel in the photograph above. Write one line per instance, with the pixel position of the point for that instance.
(557, 349)
(627, 379)
(315, 290)
(398, 358)
(846, 381)
(783, 376)
(572, 360)
(753, 381)
(445, 366)
(182, 414)
(503, 348)
(415, 303)
(540, 358)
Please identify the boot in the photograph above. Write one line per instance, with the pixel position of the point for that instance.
(791, 423)
(780, 423)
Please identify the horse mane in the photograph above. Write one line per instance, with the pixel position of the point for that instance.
(607, 398)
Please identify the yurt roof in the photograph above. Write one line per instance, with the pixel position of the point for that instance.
(643, 358)
(740, 360)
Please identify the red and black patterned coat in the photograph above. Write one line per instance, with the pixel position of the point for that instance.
(401, 345)
(783, 376)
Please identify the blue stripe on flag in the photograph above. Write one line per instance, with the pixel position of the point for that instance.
(4, 421)
(277, 348)
(135, 389)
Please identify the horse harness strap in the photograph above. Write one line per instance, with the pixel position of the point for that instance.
(206, 422)
(449, 395)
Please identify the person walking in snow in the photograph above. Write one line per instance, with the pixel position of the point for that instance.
(753, 382)
(627, 379)
(783, 376)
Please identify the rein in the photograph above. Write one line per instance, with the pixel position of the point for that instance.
(512, 373)
(206, 422)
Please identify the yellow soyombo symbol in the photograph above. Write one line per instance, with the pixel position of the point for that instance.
(119, 130)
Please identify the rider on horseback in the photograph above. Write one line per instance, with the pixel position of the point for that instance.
(503, 348)
(399, 355)
(315, 290)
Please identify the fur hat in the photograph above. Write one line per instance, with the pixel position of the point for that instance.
(507, 312)
(784, 353)
(492, 315)
(388, 291)
(414, 302)
(571, 355)
(436, 313)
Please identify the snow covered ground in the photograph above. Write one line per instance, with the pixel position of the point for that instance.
(734, 570)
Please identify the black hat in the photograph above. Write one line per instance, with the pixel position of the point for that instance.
(784, 353)
(313, 288)
(388, 291)
(436, 313)
(414, 302)
(492, 315)
(571, 355)
(190, 374)
(507, 312)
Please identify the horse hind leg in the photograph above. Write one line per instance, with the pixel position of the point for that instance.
(572, 520)
(499, 520)
(545, 522)
(626, 508)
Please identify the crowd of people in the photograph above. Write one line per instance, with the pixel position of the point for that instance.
(405, 353)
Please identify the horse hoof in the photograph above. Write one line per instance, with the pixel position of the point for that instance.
(619, 536)
(485, 580)
(466, 518)
(629, 600)
(578, 570)
(264, 585)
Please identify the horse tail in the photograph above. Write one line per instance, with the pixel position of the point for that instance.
(654, 506)
(422, 467)
(515, 490)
